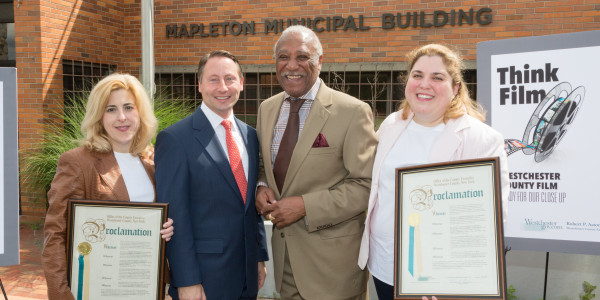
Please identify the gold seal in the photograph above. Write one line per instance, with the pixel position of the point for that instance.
(414, 219)
(84, 248)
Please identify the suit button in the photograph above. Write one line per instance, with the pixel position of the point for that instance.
(282, 235)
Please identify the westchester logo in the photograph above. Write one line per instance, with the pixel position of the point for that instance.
(541, 224)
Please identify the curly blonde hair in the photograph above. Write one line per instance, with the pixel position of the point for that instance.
(462, 102)
(95, 136)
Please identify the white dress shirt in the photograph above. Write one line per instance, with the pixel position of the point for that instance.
(215, 121)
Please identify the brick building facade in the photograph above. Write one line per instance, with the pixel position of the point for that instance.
(364, 42)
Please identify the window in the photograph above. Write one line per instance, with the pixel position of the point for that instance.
(7, 34)
(79, 78)
(470, 78)
(382, 89)
(177, 86)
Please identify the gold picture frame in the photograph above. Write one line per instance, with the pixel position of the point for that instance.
(449, 231)
(115, 249)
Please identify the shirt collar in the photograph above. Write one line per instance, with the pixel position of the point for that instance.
(310, 95)
(214, 119)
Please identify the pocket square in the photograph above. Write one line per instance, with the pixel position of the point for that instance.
(320, 141)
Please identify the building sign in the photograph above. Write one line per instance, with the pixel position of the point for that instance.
(417, 19)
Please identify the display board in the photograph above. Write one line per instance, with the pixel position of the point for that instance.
(542, 94)
(9, 164)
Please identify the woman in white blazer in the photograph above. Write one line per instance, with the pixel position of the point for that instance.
(437, 122)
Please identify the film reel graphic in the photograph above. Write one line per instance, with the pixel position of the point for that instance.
(549, 122)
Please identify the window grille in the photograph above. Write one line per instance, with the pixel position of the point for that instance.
(383, 90)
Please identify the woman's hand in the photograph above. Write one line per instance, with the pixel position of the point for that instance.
(168, 230)
(432, 298)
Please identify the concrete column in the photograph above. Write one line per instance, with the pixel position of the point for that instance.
(268, 289)
(147, 72)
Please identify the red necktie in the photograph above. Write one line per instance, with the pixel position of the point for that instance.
(235, 160)
(288, 143)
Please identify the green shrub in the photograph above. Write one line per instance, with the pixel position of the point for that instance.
(39, 163)
(587, 290)
(510, 295)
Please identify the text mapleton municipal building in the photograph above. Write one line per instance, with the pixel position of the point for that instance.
(420, 19)
(60, 48)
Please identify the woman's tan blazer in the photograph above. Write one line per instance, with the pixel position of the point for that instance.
(81, 174)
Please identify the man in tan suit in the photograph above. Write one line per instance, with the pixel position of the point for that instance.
(315, 190)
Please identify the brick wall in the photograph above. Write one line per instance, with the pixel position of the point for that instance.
(108, 31)
(28, 43)
(510, 19)
(132, 41)
(46, 32)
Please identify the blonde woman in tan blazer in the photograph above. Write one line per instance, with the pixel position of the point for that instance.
(118, 127)
(437, 122)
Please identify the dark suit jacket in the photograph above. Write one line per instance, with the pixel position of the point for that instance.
(219, 240)
(80, 174)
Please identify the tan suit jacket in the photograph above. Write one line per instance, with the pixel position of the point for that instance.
(334, 182)
(463, 138)
(80, 174)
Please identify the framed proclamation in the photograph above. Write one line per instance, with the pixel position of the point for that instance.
(449, 234)
(115, 249)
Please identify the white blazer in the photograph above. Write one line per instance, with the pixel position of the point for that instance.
(462, 138)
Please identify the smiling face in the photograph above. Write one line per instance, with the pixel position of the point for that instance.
(297, 65)
(429, 90)
(121, 120)
(221, 85)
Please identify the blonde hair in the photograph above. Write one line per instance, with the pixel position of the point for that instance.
(95, 136)
(462, 102)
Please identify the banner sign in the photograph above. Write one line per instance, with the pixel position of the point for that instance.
(542, 95)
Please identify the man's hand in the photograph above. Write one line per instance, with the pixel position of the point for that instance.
(262, 274)
(264, 197)
(167, 232)
(286, 211)
(193, 292)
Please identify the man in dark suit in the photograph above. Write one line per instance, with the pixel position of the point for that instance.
(316, 189)
(206, 169)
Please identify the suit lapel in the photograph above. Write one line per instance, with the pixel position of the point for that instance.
(205, 135)
(387, 139)
(315, 121)
(149, 167)
(270, 113)
(251, 149)
(108, 168)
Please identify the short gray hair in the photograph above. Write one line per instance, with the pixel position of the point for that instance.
(308, 37)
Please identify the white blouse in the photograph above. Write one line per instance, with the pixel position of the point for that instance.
(138, 183)
(413, 147)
